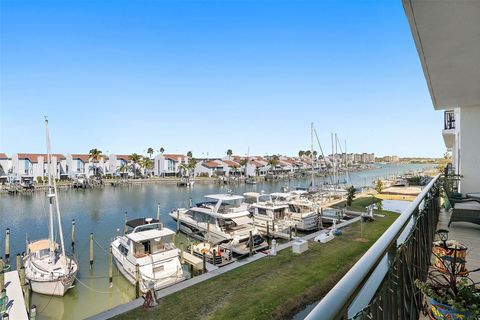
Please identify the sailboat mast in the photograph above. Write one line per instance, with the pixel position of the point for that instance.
(311, 151)
(50, 193)
(54, 194)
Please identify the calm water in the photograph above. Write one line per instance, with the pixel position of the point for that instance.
(102, 212)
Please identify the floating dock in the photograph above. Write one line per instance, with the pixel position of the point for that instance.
(16, 303)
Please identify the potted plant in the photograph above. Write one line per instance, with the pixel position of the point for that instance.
(451, 294)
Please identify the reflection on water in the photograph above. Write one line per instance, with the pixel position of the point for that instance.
(102, 212)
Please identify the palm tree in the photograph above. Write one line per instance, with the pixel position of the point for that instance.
(301, 153)
(229, 153)
(307, 153)
(315, 154)
(150, 152)
(189, 154)
(94, 155)
(124, 168)
(192, 163)
(273, 162)
(162, 150)
(135, 158)
(147, 164)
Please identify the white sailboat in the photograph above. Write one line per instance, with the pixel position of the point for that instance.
(48, 269)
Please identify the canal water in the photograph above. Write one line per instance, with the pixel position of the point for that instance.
(101, 212)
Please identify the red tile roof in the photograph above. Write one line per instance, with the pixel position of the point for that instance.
(33, 157)
(211, 164)
(232, 164)
(125, 157)
(175, 157)
(3, 156)
(86, 157)
(256, 163)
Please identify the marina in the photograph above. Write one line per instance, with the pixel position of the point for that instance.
(102, 212)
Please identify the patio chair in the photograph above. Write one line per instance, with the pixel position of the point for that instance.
(468, 211)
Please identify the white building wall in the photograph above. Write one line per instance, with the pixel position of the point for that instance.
(469, 149)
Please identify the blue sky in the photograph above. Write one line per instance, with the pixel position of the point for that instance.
(210, 75)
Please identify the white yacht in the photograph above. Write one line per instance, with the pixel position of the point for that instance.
(47, 267)
(224, 219)
(304, 213)
(267, 212)
(150, 245)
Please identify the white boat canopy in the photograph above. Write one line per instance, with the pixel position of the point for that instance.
(224, 197)
(149, 234)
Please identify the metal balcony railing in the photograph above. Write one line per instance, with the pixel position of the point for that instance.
(381, 284)
(449, 120)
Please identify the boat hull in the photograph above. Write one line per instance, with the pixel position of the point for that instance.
(143, 288)
(52, 288)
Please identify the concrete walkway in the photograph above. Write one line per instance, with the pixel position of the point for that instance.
(16, 303)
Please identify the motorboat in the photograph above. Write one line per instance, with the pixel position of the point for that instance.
(250, 180)
(223, 219)
(148, 244)
(266, 212)
(218, 255)
(47, 267)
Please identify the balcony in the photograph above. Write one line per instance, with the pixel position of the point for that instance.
(381, 284)
(449, 131)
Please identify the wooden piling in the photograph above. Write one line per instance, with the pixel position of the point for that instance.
(7, 246)
(182, 260)
(110, 266)
(208, 232)
(204, 263)
(251, 244)
(178, 220)
(125, 228)
(290, 233)
(296, 233)
(26, 295)
(73, 234)
(2, 279)
(19, 261)
(214, 256)
(268, 233)
(22, 279)
(33, 312)
(137, 280)
(158, 211)
(91, 251)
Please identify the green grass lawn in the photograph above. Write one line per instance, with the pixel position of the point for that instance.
(273, 287)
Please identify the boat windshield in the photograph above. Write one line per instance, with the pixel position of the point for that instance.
(152, 246)
(145, 227)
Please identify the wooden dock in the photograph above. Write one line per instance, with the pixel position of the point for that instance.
(16, 303)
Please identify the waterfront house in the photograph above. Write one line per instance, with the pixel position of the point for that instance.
(33, 165)
(233, 168)
(118, 161)
(168, 165)
(215, 167)
(5, 164)
(82, 164)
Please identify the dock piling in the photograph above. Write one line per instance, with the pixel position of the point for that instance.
(204, 262)
(19, 261)
(91, 251)
(33, 312)
(296, 233)
(2, 279)
(181, 254)
(7, 246)
(290, 233)
(125, 228)
(214, 256)
(178, 220)
(250, 244)
(137, 280)
(158, 211)
(73, 234)
(110, 266)
(268, 233)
